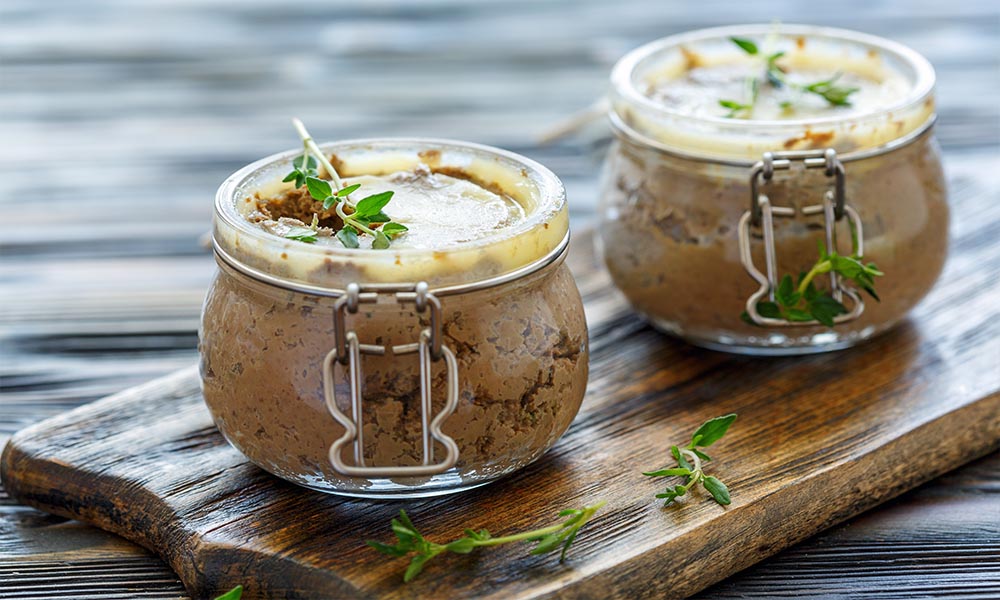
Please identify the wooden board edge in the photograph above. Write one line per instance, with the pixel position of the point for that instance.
(657, 567)
(961, 435)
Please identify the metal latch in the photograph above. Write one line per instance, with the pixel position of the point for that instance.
(348, 350)
(762, 213)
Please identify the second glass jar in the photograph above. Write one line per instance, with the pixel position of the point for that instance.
(676, 187)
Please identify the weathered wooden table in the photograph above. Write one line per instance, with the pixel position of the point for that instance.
(118, 123)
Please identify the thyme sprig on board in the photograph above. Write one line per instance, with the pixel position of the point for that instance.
(690, 463)
(364, 217)
(547, 539)
(775, 76)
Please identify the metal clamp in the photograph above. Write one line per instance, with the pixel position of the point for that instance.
(762, 213)
(347, 351)
(782, 161)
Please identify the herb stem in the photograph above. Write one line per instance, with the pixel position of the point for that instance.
(818, 269)
(349, 220)
(693, 458)
(311, 148)
(588, 512)
(696, 473)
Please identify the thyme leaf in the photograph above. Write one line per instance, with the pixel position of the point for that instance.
(393, 229)
(747, 45)
(837, 96)
(302, 234)
(300, 173)
(305, 234)
(372, 205)
(348, 236)
(734, 107)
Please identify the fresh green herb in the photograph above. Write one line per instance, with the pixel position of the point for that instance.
(381, 241)
(393, 229)
(234, 594)
(410, 541)
(800, 301)
(372, 205)
(748, 46)
(320, 189)
(305, 234)
(689, 463)
(774, 75)
(734, 107)
(302, 234)
(299, 172)
(347, 190)
(753, 89)
(837, 96)
(348, 236)
(363, 217)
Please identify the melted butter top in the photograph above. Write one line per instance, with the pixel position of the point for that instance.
(697, 89)
(438, 209)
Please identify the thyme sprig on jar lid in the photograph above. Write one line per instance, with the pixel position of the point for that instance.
(800, 301)
(365, 217)
(547, 539)
(775, 76)
(690, 463)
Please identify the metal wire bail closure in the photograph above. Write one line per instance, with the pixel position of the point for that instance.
(347, 351)
(762, 213)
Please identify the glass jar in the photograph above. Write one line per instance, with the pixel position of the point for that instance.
(701, 215)
(402, 372)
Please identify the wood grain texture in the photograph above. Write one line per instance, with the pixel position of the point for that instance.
(149, 465)
(100, 287)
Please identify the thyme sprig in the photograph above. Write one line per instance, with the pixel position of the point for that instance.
(800, 301)
(363, 217)
(774, 75)
(548, 539)
(690, 463)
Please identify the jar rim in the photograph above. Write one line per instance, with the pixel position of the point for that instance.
(623, 82)
(235, 235)
(553, 258)
(550, 187)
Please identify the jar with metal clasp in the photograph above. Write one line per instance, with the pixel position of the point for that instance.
(401, 372)
(709, 202)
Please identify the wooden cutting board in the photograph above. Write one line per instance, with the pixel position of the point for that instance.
(812, 447)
